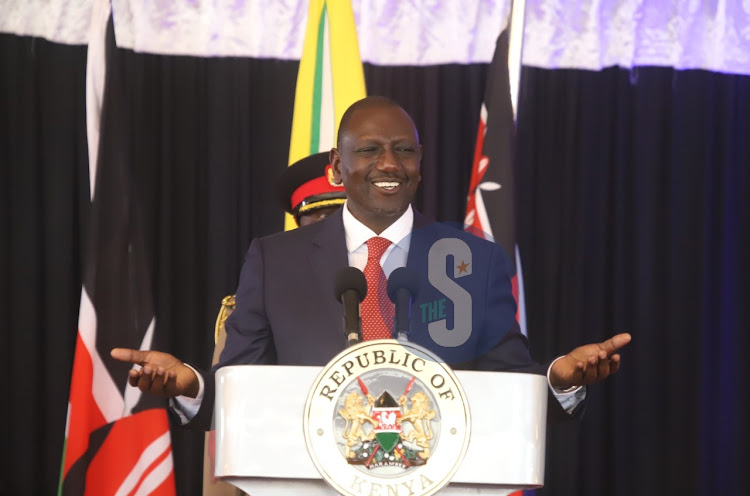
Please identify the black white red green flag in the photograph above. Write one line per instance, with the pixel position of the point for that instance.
(490, 209)
(117, 441)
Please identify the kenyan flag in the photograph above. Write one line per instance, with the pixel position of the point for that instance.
(117, 440)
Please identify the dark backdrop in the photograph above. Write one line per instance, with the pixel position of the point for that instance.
(633, 215)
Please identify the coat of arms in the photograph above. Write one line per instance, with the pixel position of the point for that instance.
(397, 434)
(386, 416)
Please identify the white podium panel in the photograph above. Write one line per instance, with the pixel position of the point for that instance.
(260, 444)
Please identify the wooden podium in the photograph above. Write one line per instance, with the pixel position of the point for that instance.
(260, 445)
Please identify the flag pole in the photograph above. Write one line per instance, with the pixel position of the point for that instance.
(515, 51)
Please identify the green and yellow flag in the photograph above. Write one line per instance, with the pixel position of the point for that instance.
(330, 79)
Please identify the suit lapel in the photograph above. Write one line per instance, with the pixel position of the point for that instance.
(328, 256)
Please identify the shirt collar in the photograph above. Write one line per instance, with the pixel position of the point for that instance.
(357, 233)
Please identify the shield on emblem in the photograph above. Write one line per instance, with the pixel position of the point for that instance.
(387, 412)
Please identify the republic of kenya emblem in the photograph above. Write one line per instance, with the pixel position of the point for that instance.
(387, 417)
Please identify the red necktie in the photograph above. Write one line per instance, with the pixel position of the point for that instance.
(377, 309)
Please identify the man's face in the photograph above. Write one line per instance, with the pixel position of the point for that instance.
(378, 160)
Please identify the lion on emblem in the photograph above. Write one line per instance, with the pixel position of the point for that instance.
(419, 416)
(355, 414)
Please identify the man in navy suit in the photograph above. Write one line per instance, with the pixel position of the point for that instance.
(286, 312)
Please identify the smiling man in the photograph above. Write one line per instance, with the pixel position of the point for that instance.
(378, 159)
(286, 313)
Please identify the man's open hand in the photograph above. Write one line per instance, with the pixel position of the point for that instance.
(161, 374)
(588, 364)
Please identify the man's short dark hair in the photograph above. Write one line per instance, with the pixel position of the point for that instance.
(368, 101)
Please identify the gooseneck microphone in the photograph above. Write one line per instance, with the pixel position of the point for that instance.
(350, 289)
(402, 290)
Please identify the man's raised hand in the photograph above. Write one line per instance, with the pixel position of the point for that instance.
(588, 364)
(161, 374)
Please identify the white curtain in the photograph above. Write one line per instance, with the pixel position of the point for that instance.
(586, 34)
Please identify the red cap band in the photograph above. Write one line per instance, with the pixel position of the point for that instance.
(316, 186)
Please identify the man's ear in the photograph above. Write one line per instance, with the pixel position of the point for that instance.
(335, 159)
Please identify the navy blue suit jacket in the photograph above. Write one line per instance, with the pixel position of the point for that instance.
(286, 312)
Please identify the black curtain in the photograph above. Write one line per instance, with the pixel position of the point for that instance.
(632, 217)
(43, 198)
(635, 216)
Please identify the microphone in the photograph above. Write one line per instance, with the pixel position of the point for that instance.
(402, 289)
(350, 289)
